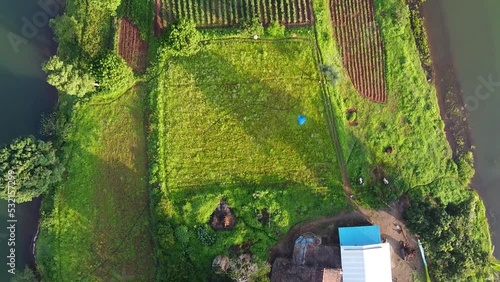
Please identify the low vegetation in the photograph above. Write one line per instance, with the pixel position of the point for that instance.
(227, 130)
(96, 224)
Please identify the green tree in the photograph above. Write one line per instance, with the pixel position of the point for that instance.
(184, 38)
(112, 72)
(110, 5)
(455, 251)
(29, 167)
(66, 28)
(67, 78)
(26, 276)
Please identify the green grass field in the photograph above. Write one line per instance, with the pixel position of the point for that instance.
(99, 226)
(228, 130)
(223, 126)
(409, 122)
(421, 163)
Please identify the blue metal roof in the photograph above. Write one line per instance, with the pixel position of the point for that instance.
(359, 235)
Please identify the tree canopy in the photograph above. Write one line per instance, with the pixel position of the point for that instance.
(66, 28)
(112, 72)
(109, 5)
(67, 78)
(456, 253)
(32, 164)
(25, 276)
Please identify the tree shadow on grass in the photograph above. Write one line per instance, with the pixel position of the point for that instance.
(268, 113)
(101, 217)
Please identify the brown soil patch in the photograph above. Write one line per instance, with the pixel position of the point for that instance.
(158, 26)
(223, 217)
(388, 219)
(362, 46)
(131, 47)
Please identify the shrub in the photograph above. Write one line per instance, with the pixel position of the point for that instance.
(331, 74)
(247, 268)
(112, 72)
(205, 237)
(184, 38)
(26, 276)
(252, 27)
(275, 29)
(465, 164)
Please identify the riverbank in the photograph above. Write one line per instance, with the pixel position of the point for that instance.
(450, 94)
(449, 90)
(25, 97)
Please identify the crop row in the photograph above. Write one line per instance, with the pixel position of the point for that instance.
(362, 47)
(226, 13)
(131, 47)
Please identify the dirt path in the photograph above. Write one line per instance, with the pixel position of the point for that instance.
(392, 229)
(330, 120)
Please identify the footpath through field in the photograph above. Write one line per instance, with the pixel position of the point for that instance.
(330, 120)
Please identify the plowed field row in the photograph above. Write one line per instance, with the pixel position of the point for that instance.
(362, 46)
(226, 13)
(131, 47)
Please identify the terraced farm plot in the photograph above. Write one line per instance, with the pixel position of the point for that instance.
(131, 47)
(229, 131)
(225, 13)
(362, 47)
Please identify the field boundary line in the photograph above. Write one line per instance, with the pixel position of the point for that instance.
(331, 116)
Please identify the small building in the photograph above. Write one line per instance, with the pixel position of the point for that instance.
(363, 255)
(311, 261)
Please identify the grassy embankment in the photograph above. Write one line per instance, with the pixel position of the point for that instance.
(95, 225)
(227, 129)
(421, 163)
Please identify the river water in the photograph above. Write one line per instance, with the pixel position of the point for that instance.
(465, 35)
(24, 97)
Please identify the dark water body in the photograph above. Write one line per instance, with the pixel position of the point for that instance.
(465, 35)
(24, 97)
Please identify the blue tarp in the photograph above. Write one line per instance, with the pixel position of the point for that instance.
(301, 119)
(359, 235)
